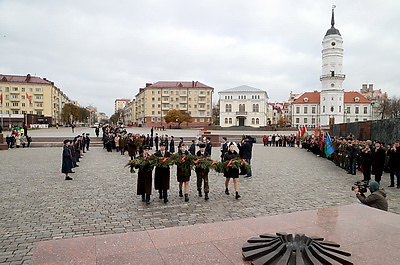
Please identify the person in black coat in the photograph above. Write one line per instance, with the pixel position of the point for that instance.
(378, 161)
(366, 162)
(162, 174)
(67, 166)
(183, 173)
(247, 149)
(156, 141)
(192, 148)
(202, 173)
(208, 145)
(145, 177)
(172, 145)
(87, 141)
(231, 172)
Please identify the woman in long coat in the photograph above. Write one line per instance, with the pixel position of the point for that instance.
(162, 174)
(145, 177)
(231, 173)
(131, 146)
(183, 172)
(67, 166)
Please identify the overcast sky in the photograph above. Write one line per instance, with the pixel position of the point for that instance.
(97, 51)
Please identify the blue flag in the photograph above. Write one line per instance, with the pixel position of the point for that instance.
(328, 148)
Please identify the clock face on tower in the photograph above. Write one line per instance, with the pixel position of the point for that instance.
(333, 43)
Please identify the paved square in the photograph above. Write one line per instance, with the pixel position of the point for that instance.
(38, 204)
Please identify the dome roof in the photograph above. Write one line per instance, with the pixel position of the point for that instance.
(332, 30)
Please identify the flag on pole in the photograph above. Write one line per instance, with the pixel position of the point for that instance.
(304, 133)
(328, 148)
(1, 98)
(28, 97)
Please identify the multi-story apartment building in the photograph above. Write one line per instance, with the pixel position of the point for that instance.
(155, 100)
(120, 103)
(243, 106)
(129, 113)
(21, 95)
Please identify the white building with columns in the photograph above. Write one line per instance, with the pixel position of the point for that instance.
(243, 106)
(332, 105)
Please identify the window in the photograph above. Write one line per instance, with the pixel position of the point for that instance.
(340, 108)
(297, 110)
(357, 110)
(242, 107)
(8, 89)
(255, 108)
(15, 111)
(15, 89)
(38, 89)
(226, 120)
(305, 120)
(153, 99)
(7, 104)
(7, 96)
(15, 104)
(201, 119)
(165, 91)
(183, 92)
(365, 110)
(38, 97)
(313, 120)
(230, 120)
(313, 110)
(14, 96)
(153, 92)
(172, 92)
(323, 109)
(257, 121)
(152, 112)
(22, 89)
(305, 110)
(348, 110)
(253, 121)
(332, 108)
(356, 119)
(228, 108)
(297, 120)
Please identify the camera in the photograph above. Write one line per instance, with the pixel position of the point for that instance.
(361, 185)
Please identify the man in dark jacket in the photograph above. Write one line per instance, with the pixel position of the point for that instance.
(208, 145)
(66, 160)
(376, 199)
(378, 161)
(247, 148)
(353, 154)
(162, 174)
(202, 173)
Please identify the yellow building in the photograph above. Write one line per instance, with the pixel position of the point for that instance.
(155, 100)
(20, 95)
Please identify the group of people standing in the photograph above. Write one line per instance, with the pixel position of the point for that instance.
(72, 153)
(18, 137)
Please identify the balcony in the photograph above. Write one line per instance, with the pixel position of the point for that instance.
(242, 113)
(335, 76)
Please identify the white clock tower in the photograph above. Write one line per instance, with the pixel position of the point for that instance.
(332, 93)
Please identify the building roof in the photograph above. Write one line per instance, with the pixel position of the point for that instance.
(24, 79)
(308, 98)
(355, 97)
(332, 30)
(177, 84)
(243, 89)
(314, 98)
(123, 99)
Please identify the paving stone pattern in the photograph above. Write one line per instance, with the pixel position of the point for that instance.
(38, 204)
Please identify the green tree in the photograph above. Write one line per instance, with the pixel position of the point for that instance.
(83, 115)
(70, 113)
(116, 116)
(178, 116)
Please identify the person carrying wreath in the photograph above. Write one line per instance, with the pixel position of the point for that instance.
(162, 174)
(230, 172)
(145, 177)
(183, 172)
(202, 173)
(67, 160)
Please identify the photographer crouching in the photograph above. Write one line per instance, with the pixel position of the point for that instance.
(376, 199)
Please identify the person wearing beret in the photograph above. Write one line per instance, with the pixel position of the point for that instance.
(162, 174)
(202, 173)
(231, 173)
(183, 173)
(145, 177)
(67, 166)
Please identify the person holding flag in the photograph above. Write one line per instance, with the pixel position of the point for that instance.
(328, 148)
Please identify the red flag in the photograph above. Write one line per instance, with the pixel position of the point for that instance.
(28, 97)
(1, 98)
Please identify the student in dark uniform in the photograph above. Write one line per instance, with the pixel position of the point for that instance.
(208, 145)
(145, 177)
(162, 174)
(183, 172)
(202, 173)
(66, 160)
(192, 148)
(172, 145)
(87, 141)
(156, 141)
(231, 173)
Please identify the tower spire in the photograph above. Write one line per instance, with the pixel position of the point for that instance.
(333, 17)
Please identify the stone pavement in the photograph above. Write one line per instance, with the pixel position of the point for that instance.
(38, 204)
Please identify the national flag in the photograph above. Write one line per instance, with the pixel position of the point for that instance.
(328, 148)
(304, 133)
(318, 132)
(28, 97)
(1, 98)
